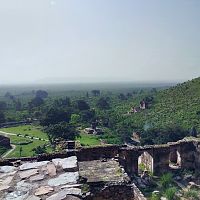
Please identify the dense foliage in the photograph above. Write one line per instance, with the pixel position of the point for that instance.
(169, 114)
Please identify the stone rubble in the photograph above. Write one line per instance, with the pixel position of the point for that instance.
(40, 180)
(26, 174)
(43, 190)
(67, 164)
(66, 178)
(33, 165)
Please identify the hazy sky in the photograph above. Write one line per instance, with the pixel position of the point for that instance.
(96, 40)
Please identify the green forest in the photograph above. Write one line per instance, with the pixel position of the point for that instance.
(157, 114)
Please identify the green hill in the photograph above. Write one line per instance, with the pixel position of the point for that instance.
(177, 105)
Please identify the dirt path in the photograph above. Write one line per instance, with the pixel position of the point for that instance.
(5, 133)
(10, 151)
(29, 137)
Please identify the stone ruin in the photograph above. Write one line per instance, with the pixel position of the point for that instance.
(5, 141)
(97, 173)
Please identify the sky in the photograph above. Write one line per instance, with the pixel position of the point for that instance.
(43, 41)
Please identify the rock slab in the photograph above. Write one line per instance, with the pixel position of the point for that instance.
(63, 179)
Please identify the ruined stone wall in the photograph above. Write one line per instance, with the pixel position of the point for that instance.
(197, 156)
(137, 193)
(5, 141)
(97, 153)
(114, 192)
(187, 155)
(128, 156)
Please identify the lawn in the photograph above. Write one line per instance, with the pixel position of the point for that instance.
(27, 130)
(88, 140)
(27, 149)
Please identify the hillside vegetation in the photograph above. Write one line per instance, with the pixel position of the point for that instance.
(179, 104)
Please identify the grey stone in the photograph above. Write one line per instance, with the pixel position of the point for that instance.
(32, 197)
(68, 164)
(66, 178)
(4, 184)
(51, 169)
(71, 186)
(7, 169)
(63, 194)
(24, 186)
(17, 195)
(7, 174)
(43, 190)
(38, 177)
(28, 173)
(33, 165)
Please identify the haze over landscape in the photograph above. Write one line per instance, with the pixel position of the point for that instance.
(61, 41)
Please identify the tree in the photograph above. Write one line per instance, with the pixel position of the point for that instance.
(75, 118)
(20, 151)
(102, 103)
(3, 105)
(36, 102)
(122, 97)
(87, 116)
(63, 102)
(2, 117)
(55, 116)
(63, 130)
(41, 94)
(82, 105)
(193, 132)
(40, 149)
(18, 105)
(96, 93)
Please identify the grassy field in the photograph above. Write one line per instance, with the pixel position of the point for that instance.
(27, 149)
(27, 130)
(36, 132)
(88, 140)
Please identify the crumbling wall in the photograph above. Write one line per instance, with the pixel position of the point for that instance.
(97, 153)
(114, 192)
(187, 154)
(5, 141)
(137, 193)
(197, 156)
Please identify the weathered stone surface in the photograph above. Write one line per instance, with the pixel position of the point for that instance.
(33, 165)
(7, 169)
(16, 195)
(38, 177)
(68, 164)
(32, 197)
(7, 174)
(24, 186)
(97, 171)
(4, 184)
(51, 169)
(66, 178)
(69, 197)
(4, 187)
(71, 186)
(28, 173)
(63, 194)
(43, 190)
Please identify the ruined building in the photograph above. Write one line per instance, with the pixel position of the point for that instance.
(98, 173)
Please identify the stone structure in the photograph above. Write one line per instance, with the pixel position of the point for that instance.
(107, 171)
(5, 141)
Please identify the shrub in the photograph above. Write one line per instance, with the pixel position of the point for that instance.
(170, 193)
(155, 197)
(166, 180)
(192, 195)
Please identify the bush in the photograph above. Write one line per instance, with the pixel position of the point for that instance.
(170, 193)
(155, 197)
(166, 180)
(192, 195)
